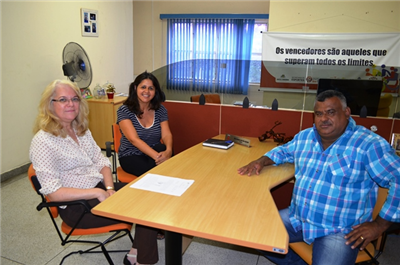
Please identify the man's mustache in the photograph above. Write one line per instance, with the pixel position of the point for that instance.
(326, 123)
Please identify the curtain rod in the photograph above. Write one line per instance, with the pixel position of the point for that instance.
(211, 16)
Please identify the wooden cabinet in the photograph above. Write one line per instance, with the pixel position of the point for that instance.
(102, 115)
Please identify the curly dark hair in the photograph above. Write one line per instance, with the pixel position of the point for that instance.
(132, 101)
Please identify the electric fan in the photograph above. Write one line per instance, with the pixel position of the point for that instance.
(76, 65)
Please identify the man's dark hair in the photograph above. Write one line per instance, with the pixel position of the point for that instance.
(321, 97)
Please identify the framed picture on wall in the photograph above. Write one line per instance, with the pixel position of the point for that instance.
(396, 142)
(90, 22)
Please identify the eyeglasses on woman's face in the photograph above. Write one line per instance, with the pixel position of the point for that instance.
(65, 101)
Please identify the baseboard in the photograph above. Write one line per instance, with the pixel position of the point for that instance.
(15, 172)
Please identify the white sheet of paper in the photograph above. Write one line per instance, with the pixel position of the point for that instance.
(163, 184)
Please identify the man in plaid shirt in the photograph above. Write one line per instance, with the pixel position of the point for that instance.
(338, 168)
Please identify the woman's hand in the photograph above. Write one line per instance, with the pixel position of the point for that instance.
(101, 194)
(163, 156)
(110, 192)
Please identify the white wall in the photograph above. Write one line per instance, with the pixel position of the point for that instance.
(326, 16)
(33, 37)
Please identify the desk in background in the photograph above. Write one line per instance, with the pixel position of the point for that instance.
(102, 115)
(220, 205)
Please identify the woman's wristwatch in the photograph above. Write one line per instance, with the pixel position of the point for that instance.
(110, 188)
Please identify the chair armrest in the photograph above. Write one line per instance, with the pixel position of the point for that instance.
(84, 203)
(109, 150)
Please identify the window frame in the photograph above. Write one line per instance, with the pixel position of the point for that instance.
(265, 22)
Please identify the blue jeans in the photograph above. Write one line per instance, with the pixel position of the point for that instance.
(327, 250)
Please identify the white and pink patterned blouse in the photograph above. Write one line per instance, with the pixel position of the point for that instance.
(61, 162)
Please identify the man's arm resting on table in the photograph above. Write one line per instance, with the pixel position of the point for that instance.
(255, 166)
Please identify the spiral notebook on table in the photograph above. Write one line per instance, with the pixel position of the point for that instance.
(217, 143)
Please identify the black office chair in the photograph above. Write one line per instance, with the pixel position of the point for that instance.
(118, 230)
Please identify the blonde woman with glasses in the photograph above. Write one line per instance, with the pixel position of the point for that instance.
(70, 165)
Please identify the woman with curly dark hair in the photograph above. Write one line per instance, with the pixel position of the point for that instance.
(146, 140)
(144, 124)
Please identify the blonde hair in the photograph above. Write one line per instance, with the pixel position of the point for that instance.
(49, 122)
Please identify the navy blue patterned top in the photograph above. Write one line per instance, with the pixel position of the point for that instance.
(150, 135)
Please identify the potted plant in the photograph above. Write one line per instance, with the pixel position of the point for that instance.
(110, 90)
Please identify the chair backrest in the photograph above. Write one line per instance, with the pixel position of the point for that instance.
(384, 105)
(116, 137)
(385, 101)
(210, 98)
(36, 186)
(382, 194)
(33, 179)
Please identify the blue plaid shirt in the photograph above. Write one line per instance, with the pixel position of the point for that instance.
(337, 188)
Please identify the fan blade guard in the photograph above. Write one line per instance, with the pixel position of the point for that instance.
(76, 65)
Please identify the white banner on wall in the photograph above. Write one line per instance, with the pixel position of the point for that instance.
(294, 60)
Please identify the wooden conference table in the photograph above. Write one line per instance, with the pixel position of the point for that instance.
(220, 205)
